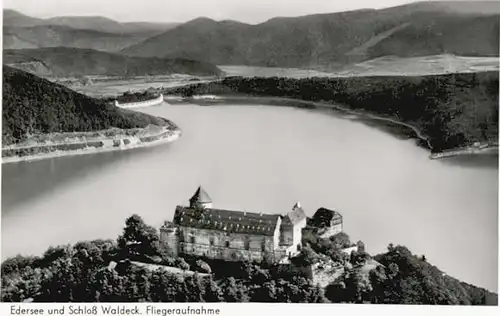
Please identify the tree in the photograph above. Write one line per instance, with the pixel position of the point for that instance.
(139, 239)
(202, 267)
(306, 257)
(213, 292)
(341, 239)
(335, 292)
(264, 293)
(356, 287)
(233, 292)
(194, 287)
(317, 295)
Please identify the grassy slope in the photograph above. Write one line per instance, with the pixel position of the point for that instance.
(74, 62)
(451, 110)
(330, 39)
(32, 105)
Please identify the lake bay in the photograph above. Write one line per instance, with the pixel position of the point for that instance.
(264, 159)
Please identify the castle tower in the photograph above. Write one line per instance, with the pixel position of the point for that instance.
(296, 206)
(168, 237)
(200, 199)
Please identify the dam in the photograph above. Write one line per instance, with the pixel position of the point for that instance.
(140, 104)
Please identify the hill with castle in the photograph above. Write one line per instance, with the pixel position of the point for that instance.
(207, 254)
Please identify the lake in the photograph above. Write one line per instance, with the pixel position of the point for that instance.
(264, 159)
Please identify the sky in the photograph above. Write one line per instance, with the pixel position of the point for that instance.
(248, 11)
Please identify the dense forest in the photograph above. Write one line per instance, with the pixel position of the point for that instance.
(129, 97)
(452, 110)
(32, 105)
(105, 271)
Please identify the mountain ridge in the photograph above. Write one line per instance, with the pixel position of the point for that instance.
(76, 62)
(41, 36)
(95, 32)
(318, 39)
(15, 18)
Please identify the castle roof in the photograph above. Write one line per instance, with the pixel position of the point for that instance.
(226, 220)
(324, 215)
(200, 196)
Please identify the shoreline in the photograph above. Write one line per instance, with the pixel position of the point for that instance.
(104, 144)
(470, 150)
(219, 99)
(488, 149)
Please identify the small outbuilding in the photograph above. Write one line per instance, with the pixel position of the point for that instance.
(329, 220)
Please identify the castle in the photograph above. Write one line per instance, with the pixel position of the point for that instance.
(201, 230)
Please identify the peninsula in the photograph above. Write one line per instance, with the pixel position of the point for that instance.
(208, 254)
(42, 120)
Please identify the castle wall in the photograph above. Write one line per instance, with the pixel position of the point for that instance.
(286, 232)
(297, 232)
(332, 231)
(230, 247)
(168, 237)
(291, 235)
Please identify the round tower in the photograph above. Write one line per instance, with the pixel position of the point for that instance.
(200, 199)
(168, 238)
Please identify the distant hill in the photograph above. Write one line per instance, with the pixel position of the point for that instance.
(419, 29)
(75, 62)
(14, 18)
(55, 35)
(31, 105)
(21, 31)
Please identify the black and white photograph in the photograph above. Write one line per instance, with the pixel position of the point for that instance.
(249, 151)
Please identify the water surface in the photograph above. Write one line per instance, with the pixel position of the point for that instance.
(264, 159)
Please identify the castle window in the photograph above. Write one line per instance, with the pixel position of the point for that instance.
(263, 245)
(227, 243)
(212, 240)
(192, 239)
(247, 243)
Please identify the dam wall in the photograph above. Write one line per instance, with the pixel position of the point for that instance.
(140, 104)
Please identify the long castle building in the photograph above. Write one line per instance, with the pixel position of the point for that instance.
(201, 230)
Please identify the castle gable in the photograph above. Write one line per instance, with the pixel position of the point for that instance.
(227, 220)
(325, 217)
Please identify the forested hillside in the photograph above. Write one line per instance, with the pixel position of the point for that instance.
(451, 110)
(107, 271)
(32, 105)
